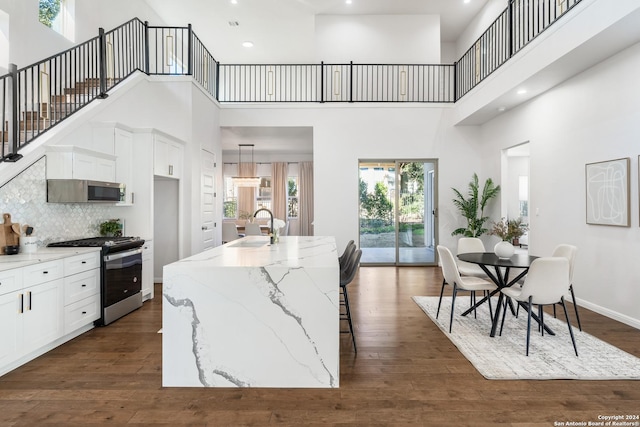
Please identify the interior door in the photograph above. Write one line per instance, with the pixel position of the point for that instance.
(208, 207)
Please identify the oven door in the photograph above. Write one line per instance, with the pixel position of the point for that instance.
(122, 276)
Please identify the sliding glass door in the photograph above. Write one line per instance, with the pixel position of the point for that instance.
(397, 211)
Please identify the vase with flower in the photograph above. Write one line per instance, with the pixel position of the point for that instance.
(508, 231)
(277, 225)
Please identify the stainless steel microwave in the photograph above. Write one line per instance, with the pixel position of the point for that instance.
(82, 191)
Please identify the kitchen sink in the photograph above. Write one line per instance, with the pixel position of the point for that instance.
(241, 243)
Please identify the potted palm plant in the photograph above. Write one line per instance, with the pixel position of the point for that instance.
(472, 207)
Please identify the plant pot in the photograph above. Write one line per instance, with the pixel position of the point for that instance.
(504, 250)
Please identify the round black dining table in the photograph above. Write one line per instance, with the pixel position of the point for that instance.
(500, 276)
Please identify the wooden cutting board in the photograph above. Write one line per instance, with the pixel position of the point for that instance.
(8, 234)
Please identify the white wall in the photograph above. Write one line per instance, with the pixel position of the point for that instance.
(479, 25)
(109, 15)
(344, 134)
(30, 41)
(381, 39)
(592, 117)
(25, 29)
(166, 220)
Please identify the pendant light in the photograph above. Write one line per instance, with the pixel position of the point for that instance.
(245, 181)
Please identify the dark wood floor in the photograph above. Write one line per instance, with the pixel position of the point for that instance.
(405, 373)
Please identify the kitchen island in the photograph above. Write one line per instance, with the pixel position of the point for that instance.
(253, 314)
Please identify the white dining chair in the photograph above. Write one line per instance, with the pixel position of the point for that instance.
(252, 229)
(460, 283)
(568, 252)
(467, 245)
(545, 284)
(229, 232)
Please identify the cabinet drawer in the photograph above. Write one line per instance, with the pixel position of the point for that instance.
(10, 281)
(81, 285)
(81, 313)
(42, 272)
(80, 263)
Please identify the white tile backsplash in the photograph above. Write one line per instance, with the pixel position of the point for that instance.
(25, 198)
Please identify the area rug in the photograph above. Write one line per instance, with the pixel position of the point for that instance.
(550, 356)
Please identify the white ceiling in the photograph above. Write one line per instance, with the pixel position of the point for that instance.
(283, 30)
(276, 140)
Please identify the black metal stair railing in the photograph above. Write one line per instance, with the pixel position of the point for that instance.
(36, 98)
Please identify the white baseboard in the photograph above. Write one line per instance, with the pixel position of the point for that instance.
(609, 313)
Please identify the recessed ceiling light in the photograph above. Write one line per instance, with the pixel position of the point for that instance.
(467, 1)
(247, 44)
(522, 91)
(502, 108)
(234, 1)
(348, 1)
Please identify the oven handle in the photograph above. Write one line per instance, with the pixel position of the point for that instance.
(124, 254)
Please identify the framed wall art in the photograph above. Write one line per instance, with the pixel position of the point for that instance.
(608, 192)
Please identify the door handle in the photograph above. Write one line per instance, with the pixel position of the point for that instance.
(204, 227)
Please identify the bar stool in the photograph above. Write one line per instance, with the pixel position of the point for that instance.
(346, 276)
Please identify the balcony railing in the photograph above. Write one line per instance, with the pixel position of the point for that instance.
(36, 98)
(521, 22)
(336, 83)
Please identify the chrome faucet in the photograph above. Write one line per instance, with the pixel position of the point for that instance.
(271, 235)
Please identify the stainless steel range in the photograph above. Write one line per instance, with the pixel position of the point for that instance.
(121, 274)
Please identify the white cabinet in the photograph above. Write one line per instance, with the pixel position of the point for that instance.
(123, 148)
(147, 270)
(10, 319)
(70, 162)
(42, 315)
(31, 312)
(81, 291)
(167, 157)
(42, 305)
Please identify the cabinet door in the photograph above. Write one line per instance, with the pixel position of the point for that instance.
(79, 263)
(10, 327)
(81, 313)
(84, 167)
(81, 286)
(105, 170)
(167, 158)
(10, 281)
(147, 270)
(160, 157)
(175, 159)
(123, 146)
(43, 315)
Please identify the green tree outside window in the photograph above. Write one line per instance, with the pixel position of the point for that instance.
(48, 11)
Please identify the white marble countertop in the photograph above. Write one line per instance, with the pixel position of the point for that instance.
(8, 262)
(255, 251)
(250, 314)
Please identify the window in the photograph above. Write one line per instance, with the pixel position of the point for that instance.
(230, 199)
(48, 11)
(523, 195)
(58, 15)
(263, 199)
(292, 197)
